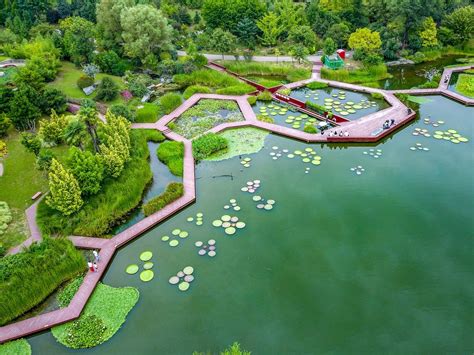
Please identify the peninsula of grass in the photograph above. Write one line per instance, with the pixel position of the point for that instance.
(173, 191)
(207, 145)
(27, 278)
(104, 314)
(206, 80)
(465, 85)
(148, 113)
(16, 347)
(289, 71)
(171, 153)
(19, 166)
(115, 200)
(205, 115)
(363, 75)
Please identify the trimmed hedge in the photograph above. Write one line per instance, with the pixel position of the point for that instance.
(315, 107)
(171, 153)
(194, 89)
(170, 101)
(173, 191)
(27, 278)
(207, 145)
(265, 96)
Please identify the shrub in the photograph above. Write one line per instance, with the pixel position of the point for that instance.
(67, 293)
(27, 278)
(31, 142)
(315, 85)
(170, 101)
(16, 347)
(171, 153)
(52, 130)
(213, 79)
(193, 89)
(5, 217)
(3, 149)
(267, 119)
(107, 90)
(252, 100)
(208, 144)
(155, 136)
(310, 129)
(53, 99)
(239, 89)
(124, 111)
(44, 159)
(173, 191)
(265, 96)
(377, 95)
(315, 107)
(110, 63)
(148, 113)
(285, 91)
(84, 81)
(5, 124)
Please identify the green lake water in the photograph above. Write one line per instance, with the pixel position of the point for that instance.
(375, 263)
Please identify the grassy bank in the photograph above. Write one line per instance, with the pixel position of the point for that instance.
(465, 85)
(173, 191)
(290, 71)
(171, 153)
(360, 76)
(115, 200)
(15, 347)
(27, 278)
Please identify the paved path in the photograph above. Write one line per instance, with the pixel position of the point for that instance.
(256, 58)
(35, 234)
(366, 129)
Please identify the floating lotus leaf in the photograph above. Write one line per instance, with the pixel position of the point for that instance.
(148, 265)
(234, 219)
(211, 242)
(437, 136)
(291, 156)
(189, 278)
(316, 162)
(183, 234)
(212, 253)
(260, 205)
(188, 270)
(202, 252)
(306, 160)
(463, 139)
(183, 286)
(225, 218)
(455, 141)
(173, 243)
(226, 224)
(180, 274)
(165, 238)
(256, 198)
(229, 230)
(146, 275)
(217, 223)
(173, 280)
(146, 255)
(190, 219)
(239, 225)
(268, 207)
(271, 202)
(176, 231)
(344, 113)
(452, 131)
(198, 243)
(237, 208)
(132, 269)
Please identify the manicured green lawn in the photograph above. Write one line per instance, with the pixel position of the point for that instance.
(67, 79)
(465, 85)
(149, 113)
(19, 182)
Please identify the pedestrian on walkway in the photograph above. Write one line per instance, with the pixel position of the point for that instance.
(96, 256)
(90, 266)
(95, 267)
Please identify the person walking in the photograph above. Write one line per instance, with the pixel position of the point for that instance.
(95, 267)
(96, 256)
(90, 266)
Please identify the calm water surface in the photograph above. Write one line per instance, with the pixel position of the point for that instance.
(366, 264)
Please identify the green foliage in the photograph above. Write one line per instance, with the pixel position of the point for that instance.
(52, 130)
(367, 74)
(88, 170)
(173, 192)
(5, 217)
(16, 347)
(210, 78)
(65, 193)
(102, 317)
(315, 107)
(239, 89)
(271, 28)
(148, 113)
(84, 81)
(5, 124)
(31, 142)
(222, 41)
(3, 149)
(428, 33)
(233, 349)
(465, 85)
(107, 90)
(145, 31)
(171, 153)
(193, 89)
(377, 95)
(137, 83)
(116, 198)
(310, 129)
(109, 62)
(27, 278)
(78, 39)
(23, 112)
(305, 36)
(44, 159)
(207, 145)
(123, 111)
(252, 100)
(316, 85)
(461, 24)
(52, 99)
(66, 294)
(170, 101)
(267, 119)
(291, 72)
(265, 96)
(329, 46)
(365, 40)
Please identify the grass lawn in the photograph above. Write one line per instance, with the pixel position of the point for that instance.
(292, 72)
(465, 85)
(2, 58)
(15, 347)
(67, 79)
(107, 307)
(148, 114)
(19, 182)
(362, 75)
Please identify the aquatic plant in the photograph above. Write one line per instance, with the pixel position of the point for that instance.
(173, 191)
(207, 145)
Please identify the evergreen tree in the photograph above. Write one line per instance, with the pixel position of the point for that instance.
(65, 194)
(113, 163)
(87, 169)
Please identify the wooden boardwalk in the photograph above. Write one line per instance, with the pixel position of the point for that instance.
(365, 129)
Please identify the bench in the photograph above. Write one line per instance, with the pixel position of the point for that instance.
(36, 195)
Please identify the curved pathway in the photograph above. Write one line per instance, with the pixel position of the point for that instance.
(361, 130)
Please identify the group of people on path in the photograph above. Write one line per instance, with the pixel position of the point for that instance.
(93, 265)
(336, 133)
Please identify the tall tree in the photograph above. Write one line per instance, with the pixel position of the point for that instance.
(365, 40)
(65, 194)
(145, 31)
(461, 23)
(223, 41)
(428, 33)
(87, 169)
(109, 26)
(78, 39)
(88, 115)
(270, 28)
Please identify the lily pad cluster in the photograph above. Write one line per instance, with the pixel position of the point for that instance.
(198, 219)
(450, 135)
(147, 274)
(277, 153)
(421, 131)
(233, 205)
(292, 118)
(433, 123)
(183, 278)
(263, 203)
(358, 170)
(246, 162)
(251, 186)
(346, 108)
(230, 224)
(308, 155)
(273, 109)
(173, 241)
(419, 147)
(374, 153)
(208, 248)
